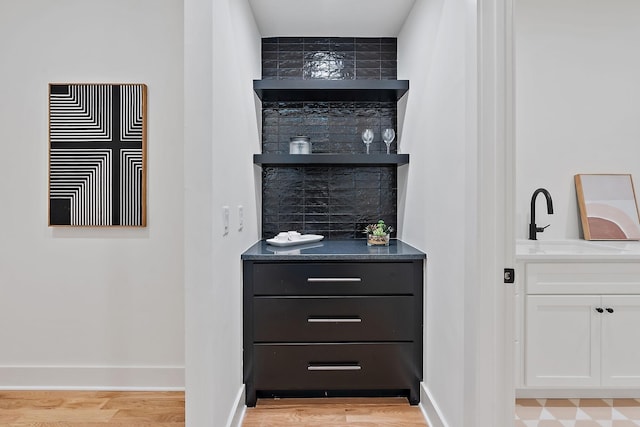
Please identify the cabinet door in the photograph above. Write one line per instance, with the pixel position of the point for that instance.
(621, 340)
(562, 340)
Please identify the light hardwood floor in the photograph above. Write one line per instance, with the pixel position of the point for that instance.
(166, 409)
(334, 412)
(91, 408)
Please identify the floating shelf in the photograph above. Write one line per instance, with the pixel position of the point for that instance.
(331, 159)
(330, 90)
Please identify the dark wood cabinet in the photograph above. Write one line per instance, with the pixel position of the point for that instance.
(333, 327)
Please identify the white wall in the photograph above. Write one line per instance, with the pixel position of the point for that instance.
(577, 102)
(433, 204)
(222, 57)
(89, 307)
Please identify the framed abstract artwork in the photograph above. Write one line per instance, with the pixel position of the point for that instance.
(608, 208)
(97, 154)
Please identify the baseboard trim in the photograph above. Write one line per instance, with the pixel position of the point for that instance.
(125, 378)
(237, 413)
(576, 393)
(430, 409)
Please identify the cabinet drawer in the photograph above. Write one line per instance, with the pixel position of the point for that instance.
(334, 366)
(311, 319)
(364, 278)
(583, 278)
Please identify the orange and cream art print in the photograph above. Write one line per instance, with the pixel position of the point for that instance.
(608, 207)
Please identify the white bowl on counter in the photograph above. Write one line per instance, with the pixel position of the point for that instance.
(293, 238)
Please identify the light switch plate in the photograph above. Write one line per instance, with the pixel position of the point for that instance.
(240, 217)
(225, 219)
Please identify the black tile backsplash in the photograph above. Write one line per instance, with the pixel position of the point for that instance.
(338, 201)
(334, 127)
(329, 58)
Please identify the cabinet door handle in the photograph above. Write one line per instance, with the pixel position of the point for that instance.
(599, 309)
(334, 368)
(609, 310)
(333, 279)
(334, 320)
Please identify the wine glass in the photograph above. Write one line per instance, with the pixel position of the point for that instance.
(367, 138)
(388, 135)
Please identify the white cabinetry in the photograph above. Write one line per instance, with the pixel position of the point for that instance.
(579, 327)
(562, 341)
(621, 341)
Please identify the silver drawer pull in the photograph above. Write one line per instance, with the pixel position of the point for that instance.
(335, 320)
(334, 368)
(333, 279)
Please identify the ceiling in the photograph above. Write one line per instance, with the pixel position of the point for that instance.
(330, 18)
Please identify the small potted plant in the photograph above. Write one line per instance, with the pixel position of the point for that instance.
(378, 234)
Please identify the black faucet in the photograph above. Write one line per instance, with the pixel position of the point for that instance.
(533, 228)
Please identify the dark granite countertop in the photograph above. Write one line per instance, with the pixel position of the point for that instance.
(328, 250)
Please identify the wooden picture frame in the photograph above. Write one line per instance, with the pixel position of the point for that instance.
(608, 207)
(97, 154)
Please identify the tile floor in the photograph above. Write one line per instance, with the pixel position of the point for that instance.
(577, 412)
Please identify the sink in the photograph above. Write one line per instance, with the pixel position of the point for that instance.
(574, 248)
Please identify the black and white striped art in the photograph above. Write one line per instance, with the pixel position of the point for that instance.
(97, 142)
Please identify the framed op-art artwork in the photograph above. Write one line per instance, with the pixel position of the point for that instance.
(97, 154)
(608, 207)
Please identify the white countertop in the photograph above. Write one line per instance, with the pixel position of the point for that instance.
(577, 249)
